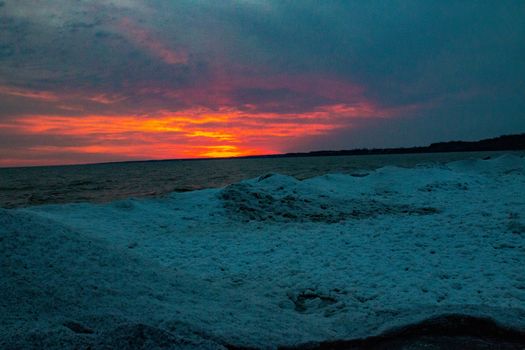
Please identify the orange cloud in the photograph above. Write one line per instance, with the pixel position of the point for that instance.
(192, 133)
(217, 125)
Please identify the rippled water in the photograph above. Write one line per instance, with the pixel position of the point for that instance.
(105, 182)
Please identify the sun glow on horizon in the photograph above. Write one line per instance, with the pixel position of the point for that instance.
(216, 122)
(198, 132)
(191, 133)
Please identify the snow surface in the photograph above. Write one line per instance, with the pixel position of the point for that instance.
(269, 261)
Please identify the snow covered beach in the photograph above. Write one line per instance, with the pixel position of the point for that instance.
(268, 262)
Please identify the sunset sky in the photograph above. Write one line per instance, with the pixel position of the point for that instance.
(109, 80)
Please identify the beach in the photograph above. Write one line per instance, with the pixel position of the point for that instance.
(271, 261)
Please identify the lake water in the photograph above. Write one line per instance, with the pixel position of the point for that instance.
(21, 187)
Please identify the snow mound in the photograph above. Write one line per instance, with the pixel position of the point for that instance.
(126, 336)
(75, 287)
(143, 337)
(282, 198)
(502, 165)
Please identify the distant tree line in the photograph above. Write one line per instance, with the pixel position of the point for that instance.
(501, 143)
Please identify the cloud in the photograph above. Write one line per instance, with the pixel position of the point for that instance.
(37, 95)
(195, 132)
(145, 39)
(250, 76)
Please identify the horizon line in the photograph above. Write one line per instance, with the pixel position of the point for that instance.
(396, 150)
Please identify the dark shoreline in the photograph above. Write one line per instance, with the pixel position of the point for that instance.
(514, 142)
(501, 143)
(449, 331)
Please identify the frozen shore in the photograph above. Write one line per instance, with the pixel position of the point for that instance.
(268, 262)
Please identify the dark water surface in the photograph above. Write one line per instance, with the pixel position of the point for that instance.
(21, 187)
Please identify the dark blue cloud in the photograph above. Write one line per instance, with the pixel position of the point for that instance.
(401, 51)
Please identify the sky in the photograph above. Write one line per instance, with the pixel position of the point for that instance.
(115, 80)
